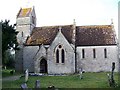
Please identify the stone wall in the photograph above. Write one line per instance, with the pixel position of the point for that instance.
(19, 60)
(23, 20)
(100, 63)
(26, 32)
(29, 54)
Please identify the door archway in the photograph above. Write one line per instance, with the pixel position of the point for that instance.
(43, 66)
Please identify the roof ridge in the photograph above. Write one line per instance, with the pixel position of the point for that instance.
(93, 25)
(54, 26)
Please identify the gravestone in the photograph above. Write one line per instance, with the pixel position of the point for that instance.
(80, 73)
(26, 75)
(37, 84)
(24, 86)
(5, 67)
(109, 80)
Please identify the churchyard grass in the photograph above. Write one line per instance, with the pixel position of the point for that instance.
(90, 80)
(6, 73)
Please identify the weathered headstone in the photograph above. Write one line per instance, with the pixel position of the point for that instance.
(5, 67)
(24, 86)
(109, 80)
(26, 75)
(37, 84)
(80, 73)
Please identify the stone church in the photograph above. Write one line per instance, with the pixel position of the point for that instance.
(64, 48)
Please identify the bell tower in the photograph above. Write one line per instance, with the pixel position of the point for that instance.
(25, 22)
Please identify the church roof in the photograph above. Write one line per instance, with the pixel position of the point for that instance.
(45, 35)
(95, 35)
(85, 35)
(24, 12)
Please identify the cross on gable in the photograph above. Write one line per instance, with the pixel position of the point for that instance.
(60, 28)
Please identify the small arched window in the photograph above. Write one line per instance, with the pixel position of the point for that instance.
(105, 53)
(57, 56)
(83, 53)
(63, 56)
(33, 19)
(94, 53)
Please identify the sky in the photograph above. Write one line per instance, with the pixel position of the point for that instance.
(63, 12)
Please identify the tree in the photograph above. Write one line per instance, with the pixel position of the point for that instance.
(9, 58)
(9, 39)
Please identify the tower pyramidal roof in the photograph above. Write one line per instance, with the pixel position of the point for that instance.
(24, 12)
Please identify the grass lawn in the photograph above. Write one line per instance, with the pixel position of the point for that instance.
(90, 80)
(6, 73)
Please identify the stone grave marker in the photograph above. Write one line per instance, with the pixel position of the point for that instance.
(5, 67)
(26, 75)
(24, 86)
(37, 84)
(80, 73)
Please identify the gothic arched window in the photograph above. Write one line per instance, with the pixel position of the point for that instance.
(33, 19)
(57, 56)
(60, 54)
(63, 56)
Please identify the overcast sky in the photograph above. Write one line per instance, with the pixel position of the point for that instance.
(62, 12)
